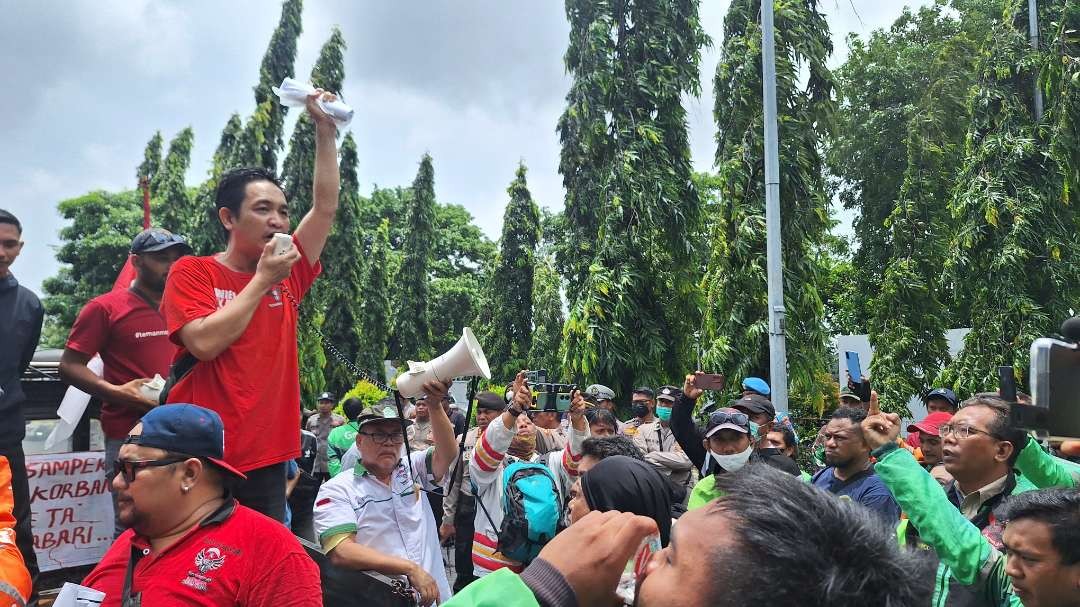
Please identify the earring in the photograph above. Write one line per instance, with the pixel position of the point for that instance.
(185, 488)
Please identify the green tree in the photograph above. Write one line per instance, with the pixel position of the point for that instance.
(151, 159)
(94, 246)
(509, 337)
(263, 135)
(411, 337)
(909, 315)
(547, 319)
(207, 234)
(735, 331)
(170, 203)
(1014, 254)
(625, 163)
(298, 170)
(297, 175)
(374, 311)
(343, 272)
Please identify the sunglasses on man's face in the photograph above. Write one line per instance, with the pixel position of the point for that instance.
(128, 468)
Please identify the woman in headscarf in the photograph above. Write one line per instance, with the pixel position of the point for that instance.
(624, 484)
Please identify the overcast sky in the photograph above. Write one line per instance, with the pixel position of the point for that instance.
(479, 84)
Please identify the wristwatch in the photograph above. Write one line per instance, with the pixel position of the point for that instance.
(514, 410)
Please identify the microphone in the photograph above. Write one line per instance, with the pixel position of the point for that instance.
(1070, 329)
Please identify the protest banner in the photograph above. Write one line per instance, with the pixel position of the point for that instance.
(72, 508)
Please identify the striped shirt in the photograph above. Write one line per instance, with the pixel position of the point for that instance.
(486, 469)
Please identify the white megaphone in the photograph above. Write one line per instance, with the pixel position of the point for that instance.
(464, 359)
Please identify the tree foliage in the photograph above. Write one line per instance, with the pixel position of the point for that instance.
(411, 338)
(548, 319)
(151, 159)
(95, 245)
(263, 134)
(923, 88)
(170, 202)
(735, 330)
(297, 176)
(508, 339)
(626, 168)
(1014, 252)
(341, 283)
(207, 235)
(374, 306)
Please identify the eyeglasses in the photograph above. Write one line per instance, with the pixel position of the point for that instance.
(961, 431)
(383, 438)
(128, 469)
(723, 417)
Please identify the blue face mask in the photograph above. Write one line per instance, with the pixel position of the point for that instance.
(754, 430)
(664, 413)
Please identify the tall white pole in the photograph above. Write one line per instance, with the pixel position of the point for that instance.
(777, 345)
(1033, 37)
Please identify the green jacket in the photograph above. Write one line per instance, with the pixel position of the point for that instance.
(501, 588)
(958, 543)
(1044, 470)
(337, 443)
(703, 492)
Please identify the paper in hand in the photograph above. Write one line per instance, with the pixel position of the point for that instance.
(294, 93)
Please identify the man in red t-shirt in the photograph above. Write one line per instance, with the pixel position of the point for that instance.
(190, 543)
(232, 315)
(126, 329)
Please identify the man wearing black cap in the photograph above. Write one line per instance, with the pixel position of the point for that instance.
(644, 400)
(320, 425)
(190, 542)
(694, 442)
(127, 330)
(459, 506)
(658, 443)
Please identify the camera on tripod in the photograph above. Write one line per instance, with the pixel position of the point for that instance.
(547, 396)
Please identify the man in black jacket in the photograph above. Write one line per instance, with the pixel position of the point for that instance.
(21, 315)
(692, 439)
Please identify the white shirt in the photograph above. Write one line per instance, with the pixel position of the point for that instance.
(394, 520)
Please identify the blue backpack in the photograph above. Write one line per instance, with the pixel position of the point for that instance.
(531, 510)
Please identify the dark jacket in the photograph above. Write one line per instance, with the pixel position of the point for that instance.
(21, 316)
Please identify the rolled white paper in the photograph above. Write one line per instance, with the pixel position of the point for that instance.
(294, 93)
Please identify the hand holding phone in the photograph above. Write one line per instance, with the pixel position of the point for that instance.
(709, 381)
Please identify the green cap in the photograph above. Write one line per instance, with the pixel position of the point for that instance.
(382, 410)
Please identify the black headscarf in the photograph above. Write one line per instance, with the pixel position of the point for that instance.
(629, 485)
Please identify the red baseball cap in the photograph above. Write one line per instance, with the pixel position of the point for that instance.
(931, 423)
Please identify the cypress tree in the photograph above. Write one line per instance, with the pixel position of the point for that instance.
(625, 155)
(547, 320)
(374, 310)
(172, 206)
(297, 176)
(735, 331)
(509, 337)
(411, 339)
(206, 234)
(151, 159)
(342, 280)
(298, 170)
(263, 134)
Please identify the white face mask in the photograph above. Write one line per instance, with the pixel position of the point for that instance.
(731, 463)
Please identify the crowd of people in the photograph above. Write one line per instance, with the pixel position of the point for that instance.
(689, 502)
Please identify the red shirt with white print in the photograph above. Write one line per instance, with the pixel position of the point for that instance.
(254, 384)
(131, 339)
(234, 557)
